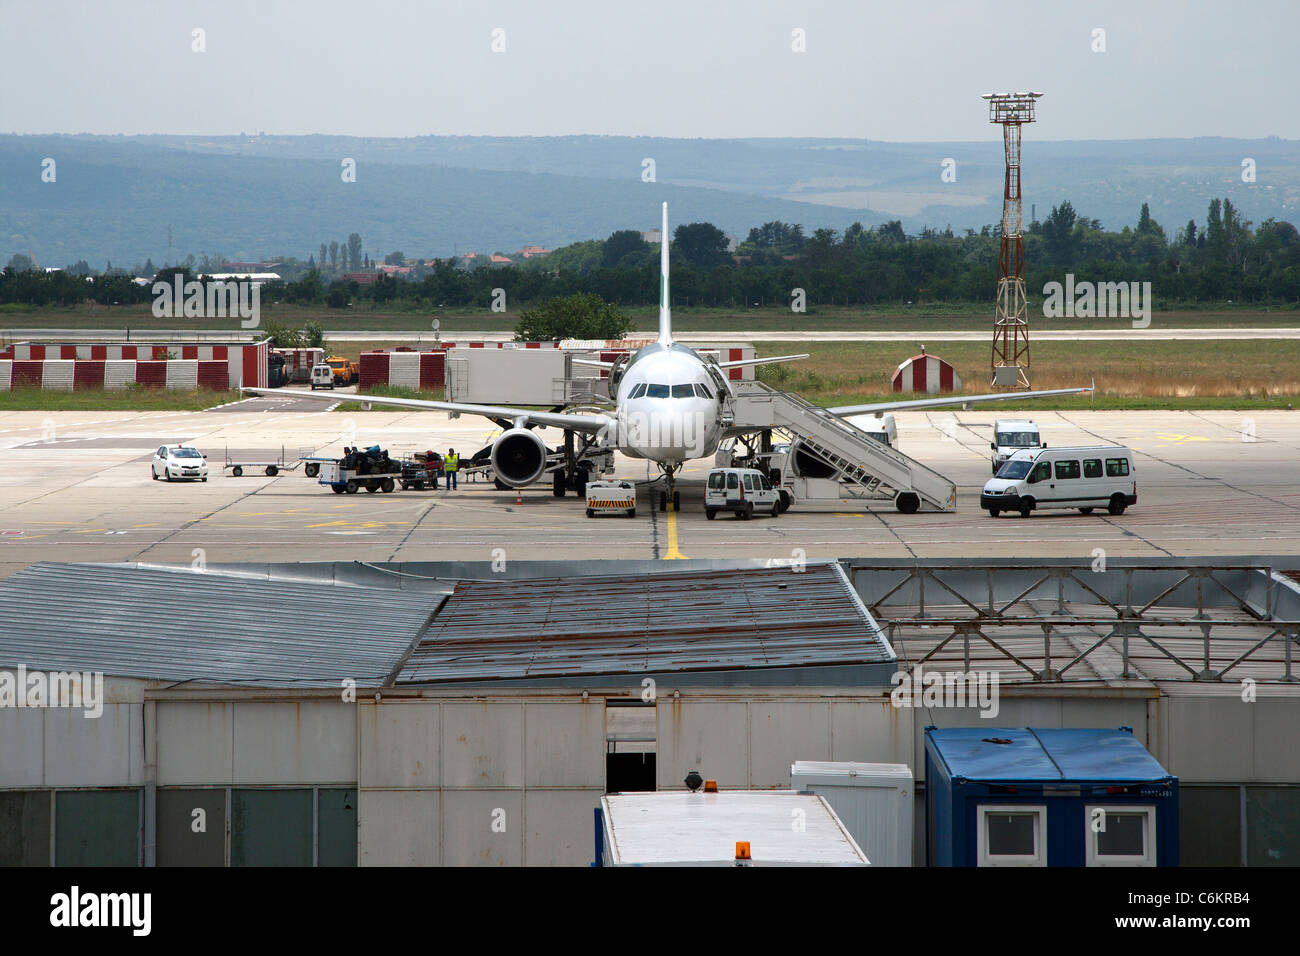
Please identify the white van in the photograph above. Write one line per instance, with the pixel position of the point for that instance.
(322, 376)
(1011, 435)
(1098, 476)
(742, 491)
(881, 427)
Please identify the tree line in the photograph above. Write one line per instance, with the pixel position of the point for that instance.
(1223, 259)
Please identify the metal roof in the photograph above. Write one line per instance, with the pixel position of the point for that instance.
(648, 623)
(186, 625)
(1048, 755)
(235, 626)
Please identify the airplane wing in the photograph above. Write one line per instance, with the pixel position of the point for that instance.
(577, 423)
(843, 410)
(762, 361)
(594, 363)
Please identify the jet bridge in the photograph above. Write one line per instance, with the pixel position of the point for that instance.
(848, 463)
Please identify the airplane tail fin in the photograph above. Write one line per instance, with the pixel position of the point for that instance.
(665, 312)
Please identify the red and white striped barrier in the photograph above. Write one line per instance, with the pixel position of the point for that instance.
(116, 366)
(69, 374)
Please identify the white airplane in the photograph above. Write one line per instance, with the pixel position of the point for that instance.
(668, 408)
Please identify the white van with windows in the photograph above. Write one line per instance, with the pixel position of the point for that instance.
(1098, 476)
(741, 491)
(322, 376)
(1011, 435)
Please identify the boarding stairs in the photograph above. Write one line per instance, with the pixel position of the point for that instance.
(865, 467)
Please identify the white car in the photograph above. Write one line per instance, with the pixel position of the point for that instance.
(741, 491)
(178, 462)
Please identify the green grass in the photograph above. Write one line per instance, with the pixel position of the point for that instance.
(1246, 373)
(132, 399)
(772, 318)
(392, 391)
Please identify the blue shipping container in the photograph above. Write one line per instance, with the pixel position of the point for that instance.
(1047, 797)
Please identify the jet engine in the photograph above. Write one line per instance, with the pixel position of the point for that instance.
(518, 457)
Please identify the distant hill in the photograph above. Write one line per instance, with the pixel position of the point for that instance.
(255, 197)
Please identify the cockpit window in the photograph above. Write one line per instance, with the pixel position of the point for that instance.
(702, 390)
(638, 391)
(656, 391)
(683, 391)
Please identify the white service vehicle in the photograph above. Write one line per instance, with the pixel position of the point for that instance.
(879, 426)
(1096, 476)
(741, 491)
(612, 495)
(178, 462)
(322, 376)
(1011, 435)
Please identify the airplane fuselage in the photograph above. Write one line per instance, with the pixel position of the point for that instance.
(669, 405)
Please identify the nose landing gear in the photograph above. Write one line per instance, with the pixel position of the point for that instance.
(672, 494)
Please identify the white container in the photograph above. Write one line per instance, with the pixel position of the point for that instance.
(782, 828)
(873, 800)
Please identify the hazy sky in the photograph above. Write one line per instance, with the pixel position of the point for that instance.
(878, 70)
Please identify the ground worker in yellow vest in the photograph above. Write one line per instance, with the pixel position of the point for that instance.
(451, 465)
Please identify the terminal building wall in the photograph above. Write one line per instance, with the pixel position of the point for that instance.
(512, 777)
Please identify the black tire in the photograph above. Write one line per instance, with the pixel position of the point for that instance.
(710, 513)
(372, 487)
(663, 501)
(631, 512)
(236, 472)
(776, 508)
(1117, 504)
(167, 475)
(677, 501)
(205, 477)
(312, 469)
(908, 503)
(1085, 511)
(580, 482)
(153, 474)
(786, 501)
(591, 512)
(271, 471)
(557, 483)
(388, 485)
(1026, 506)
(337, 489)
(500, 485)
(747, 512)
(352, 487)
(994, 512)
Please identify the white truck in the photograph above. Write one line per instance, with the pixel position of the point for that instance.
(1011, 435)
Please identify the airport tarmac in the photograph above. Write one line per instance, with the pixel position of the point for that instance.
(74, 486)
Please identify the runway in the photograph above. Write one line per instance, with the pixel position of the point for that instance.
(75, 486)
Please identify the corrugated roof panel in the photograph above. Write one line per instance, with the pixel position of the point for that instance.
(1043, 754)
(661, 622)
(185, 625)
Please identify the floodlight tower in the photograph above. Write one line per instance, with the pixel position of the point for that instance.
(1010, 364)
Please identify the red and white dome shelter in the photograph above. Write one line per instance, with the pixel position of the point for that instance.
(926, 373)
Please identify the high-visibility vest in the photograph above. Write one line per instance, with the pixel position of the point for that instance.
(453, 462)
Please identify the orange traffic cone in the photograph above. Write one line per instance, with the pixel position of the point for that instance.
(519, 496)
